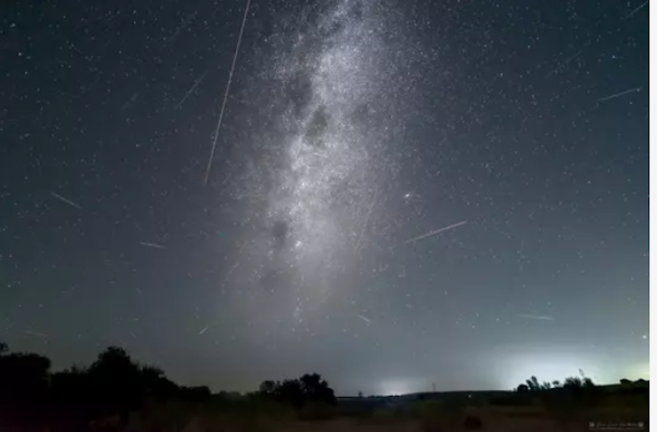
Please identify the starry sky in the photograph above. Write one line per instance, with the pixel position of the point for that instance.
(401, 193)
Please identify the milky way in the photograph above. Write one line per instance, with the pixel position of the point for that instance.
(312, 191)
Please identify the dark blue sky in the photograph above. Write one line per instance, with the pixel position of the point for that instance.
(350, 129)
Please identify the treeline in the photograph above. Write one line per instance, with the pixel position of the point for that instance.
(113, 386)
(575, 391)
(572, 384)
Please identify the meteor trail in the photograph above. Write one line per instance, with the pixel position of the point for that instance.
(623, 93)
(635, 10)
(130, 101)
(66, 200)
(433, 233)
(223, 104)
(367, 320)
(182, 26)
(153, 245)
(367, 219)
(34, 333)
(537, 317)
(191, 90)
(562, 66)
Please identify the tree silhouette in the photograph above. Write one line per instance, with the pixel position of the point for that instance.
(572, 383)
(195, 394)
(116, 384)
(533, 384)
(316, 389)
(70, 387)
(24, 387)
(156, 384)
(588, 383)
(113, 386)
(290, 391)
(268, 388)
(310, 388)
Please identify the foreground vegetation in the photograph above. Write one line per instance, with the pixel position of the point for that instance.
(115, 393)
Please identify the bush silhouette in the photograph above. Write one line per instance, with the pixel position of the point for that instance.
(522, 388)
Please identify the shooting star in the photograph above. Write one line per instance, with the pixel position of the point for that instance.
(562, 66)
(537, 317)
(34, 333)
(184, 24)
(191, 90)
(367, 219)
(367, 320)
(130, 101)
(66, 200)
(636, 10)
(223, 104)
(433, 233)
(153, 245)
(623, 93)
(203, 330)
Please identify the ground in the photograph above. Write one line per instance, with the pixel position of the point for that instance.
(411, 416)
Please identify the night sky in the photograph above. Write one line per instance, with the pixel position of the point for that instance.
(517, 129)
